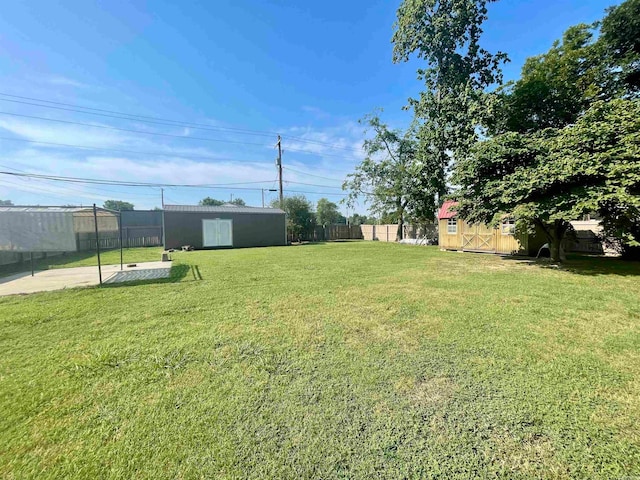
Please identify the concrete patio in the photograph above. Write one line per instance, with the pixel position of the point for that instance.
(63, 278)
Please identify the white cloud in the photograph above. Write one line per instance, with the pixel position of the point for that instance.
(178, 161)
(342, 142)
(60, 80)
(36, 130)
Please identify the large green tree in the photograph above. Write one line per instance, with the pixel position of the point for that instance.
(300, 217)
(555, 88)
(621, 40)
(446, 36)
(394, 182)
(118, 205)
(357, 219)
(327, 212)
(6, 203)
(213, 202)
(210, 202)
(550, 177)
(547, 111)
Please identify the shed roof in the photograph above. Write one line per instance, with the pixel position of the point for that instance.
(76, 211)
(221, 209)
(447, 210)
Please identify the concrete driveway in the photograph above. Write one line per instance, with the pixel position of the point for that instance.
(61, 278)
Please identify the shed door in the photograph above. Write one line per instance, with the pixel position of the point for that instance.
(217, 233)
(478, 237)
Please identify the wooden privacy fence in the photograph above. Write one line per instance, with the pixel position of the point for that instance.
(382, 233)
(389, 233)
(146, 236)
(329, 232)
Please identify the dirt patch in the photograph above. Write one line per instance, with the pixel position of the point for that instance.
(428, 392)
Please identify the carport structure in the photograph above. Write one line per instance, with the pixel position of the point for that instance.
(37, 229)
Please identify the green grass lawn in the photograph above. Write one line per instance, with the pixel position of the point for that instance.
(85, 259)
(343, 360)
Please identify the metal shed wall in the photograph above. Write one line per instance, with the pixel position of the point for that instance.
(34, 231)
(249, 229)
(141, 218)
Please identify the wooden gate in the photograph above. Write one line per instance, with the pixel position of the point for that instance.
(478, 238)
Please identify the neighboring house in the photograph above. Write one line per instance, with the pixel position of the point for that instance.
(588, 233)
(226, 226)
(456, 234)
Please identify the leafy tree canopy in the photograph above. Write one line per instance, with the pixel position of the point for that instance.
(556, 87)
(210, 202)
(327, 212)
(357, 219)
(6, 203)
(446, 35)
(621, 41)
(565, 138)
(118, 205)
(391, 177)
(300, 217)
(550, 177)
(213, 202)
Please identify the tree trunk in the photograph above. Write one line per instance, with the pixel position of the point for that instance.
(556, 234)
(400, 232)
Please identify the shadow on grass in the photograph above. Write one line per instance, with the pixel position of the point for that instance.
(178, 274)
(585, 265)
(324, 242)
(44, 263)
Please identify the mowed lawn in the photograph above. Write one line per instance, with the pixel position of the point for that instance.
(84, 259)
(342, 360)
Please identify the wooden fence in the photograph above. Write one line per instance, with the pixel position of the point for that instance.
(389, 233)
(336, 232)
(147, 236)
(382, 233)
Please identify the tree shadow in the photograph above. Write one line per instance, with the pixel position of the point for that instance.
(584, 265)
(40, 264)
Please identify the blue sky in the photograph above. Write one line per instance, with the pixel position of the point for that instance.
(306, 70)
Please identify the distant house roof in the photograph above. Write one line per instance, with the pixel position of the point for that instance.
(220, 209)
(447, 210)
(77, 211)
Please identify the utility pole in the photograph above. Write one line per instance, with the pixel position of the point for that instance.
(279, 163)
(163, 237)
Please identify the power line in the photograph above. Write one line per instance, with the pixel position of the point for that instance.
(35, 188)
(158, 120)
(319, 193)
(310, 174)
(109, 127)
(147, 184)
(139, 152)
(125, 183)
(182, 137)
(176, 123)
(118, 150)
(311, 184)
(88, 189)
